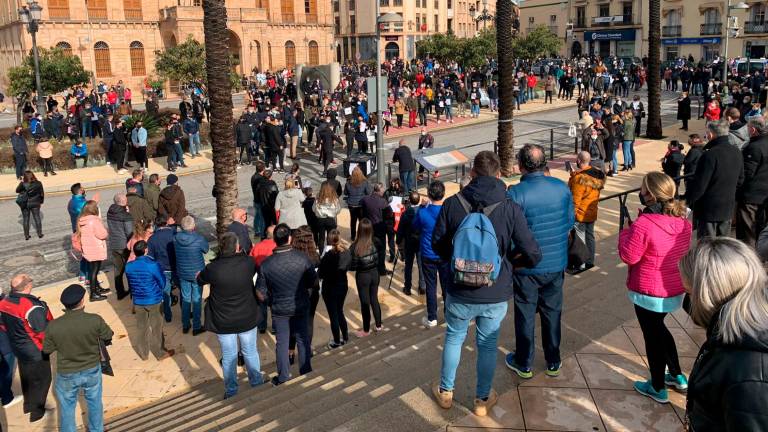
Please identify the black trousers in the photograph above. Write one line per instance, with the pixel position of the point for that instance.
(749, 222)
(685, 124)
(35, 382)
(548, 95)
(334, 302)
(93, 272)
(362, 145)
(119, 259)
(324, 225)
(141, 156)
(399, 120)
(48, 165)
(368, 291)
(380, 233)
(659, 346)
(355, 214)
(285, 328)
(25, 216)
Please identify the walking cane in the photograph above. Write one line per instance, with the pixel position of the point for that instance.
(394, 266)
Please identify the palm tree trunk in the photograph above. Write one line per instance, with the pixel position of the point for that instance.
(506, 138)
(220, 95)
(653, 128)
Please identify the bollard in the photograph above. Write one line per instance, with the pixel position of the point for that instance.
(576, 145)
(551, 144)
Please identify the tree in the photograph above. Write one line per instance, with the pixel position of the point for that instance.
(184, 62)
(469, 52)
(653, 128)
(540, 42)
(218, 71)
(504, 42)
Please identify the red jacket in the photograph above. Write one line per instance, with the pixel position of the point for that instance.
(532, 80)
(25, 318)
(261, 250)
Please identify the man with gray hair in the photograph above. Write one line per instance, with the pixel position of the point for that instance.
(719, 173)
(750, 217)
(375, 207)
(190, 248)
(120, 225)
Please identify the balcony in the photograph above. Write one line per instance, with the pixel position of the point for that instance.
(752, 27)
(58, 12)
(580, 24)
(553, 29)
(671, 31)
(601, 21)
(192, 13)
(712, 29)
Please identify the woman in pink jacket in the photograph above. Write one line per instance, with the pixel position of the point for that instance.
(93, 240)
(651, 247)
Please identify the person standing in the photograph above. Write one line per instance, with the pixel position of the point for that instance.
(26, 318)
(172, 202)
(376, 209)
(684, 109)
(692, 159)
(232, 312)
(585, 185)
(7, 365)
(161, 248)
(432, 266)
(288, 204)
(192, 129)
(549, 88)
(406, 165)
(140, 208)
(326, 208)
(240, 229)
(355, 189)
(20, 151)
(152, 193)
(652, 247)
(628, 142)
(333, 272)
(30, 198)
(426, 141)
(146, 281)
(76, 337)
(719, 174)
(638, 113)
(139, 143)
(365, 262)
(408, 241)
(190, 248)
(257, 180)
(285, 281)
(120, 225)
(93, 235)
(265, 197)
(752, 194)
(486, 305)
(548, 206)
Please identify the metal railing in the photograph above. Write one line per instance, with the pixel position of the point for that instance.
(711, 29)
(623, 196)
(671, 30)
(751, 27)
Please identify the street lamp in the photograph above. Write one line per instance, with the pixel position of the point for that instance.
(484, 15)
(738, 6)
(31, 15)
(382, 20)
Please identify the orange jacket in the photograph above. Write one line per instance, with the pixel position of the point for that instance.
(585, 187)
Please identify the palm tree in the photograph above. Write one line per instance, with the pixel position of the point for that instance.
(653, 128)
(506, 138)
(220, 95)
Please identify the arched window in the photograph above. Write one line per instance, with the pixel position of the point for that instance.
(103, 63)
(137, 59)
(132, 10)
(257, 49)
(269, 54)
(58, 9)
(314, 54)
(97, 9)
(65, 47)
(290, 55)
(391, 50)
(286, 10)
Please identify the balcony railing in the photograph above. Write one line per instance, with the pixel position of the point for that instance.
(751, 27)
(58, 12)
(671, 31)
(97, 13)
(581, 24)
(133, 14)
(711, 29)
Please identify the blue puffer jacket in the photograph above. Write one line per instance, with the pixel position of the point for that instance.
(74, 207)
(189, 248)
(161, 247)
(146, 280)
(548, 207)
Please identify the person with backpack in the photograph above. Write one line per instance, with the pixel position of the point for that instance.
(431, 264)
(480, 211)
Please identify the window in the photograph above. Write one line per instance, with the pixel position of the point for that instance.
(398, 2)
(132, 9)
(314, 54)
(672, 52)
(269, 54)
(290, 55)
(336, 6)
(137, 59)
(58, 9)
(450, 25)
(310, 9)
(531, 20)
(353, 46)
(604, 10)
(97, 9)
(286, 9)
(710, 52)
(553, 19)
(257, 48)
(384, 3)
(337, 25)
(437, 5)
(437, 24)
(352, 4)
(197, 3)
(262, 4)
(757, 13)
(581, 16)
(65, 47)
(450, 4)
(352, 24)
(626, 11)
(712, 16)
(103, 63)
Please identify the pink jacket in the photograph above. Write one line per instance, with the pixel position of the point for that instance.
(93, 237)
(652, 247)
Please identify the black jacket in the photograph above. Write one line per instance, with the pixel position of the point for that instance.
(243, 133)
(719, 173)
(684, 109)
(333, 271)
(407, 236)
(512, 232)
(331, 179)
(286, 278)
(672, 164)
(34, 191)
(120, 224)
(404, 158)
(373, 208)
(256, 181)
(231, 306)
(728, 386)
(754, 190)
(272, 138)
(241, 231)
(367, 261)
(25, 318)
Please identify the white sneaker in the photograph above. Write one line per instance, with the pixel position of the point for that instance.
(427, 323)
(122, 171)
(16, 399)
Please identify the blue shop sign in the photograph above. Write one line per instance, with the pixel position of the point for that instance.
(610, 35)
(691, 41)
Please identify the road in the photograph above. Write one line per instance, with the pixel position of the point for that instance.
(47, 259)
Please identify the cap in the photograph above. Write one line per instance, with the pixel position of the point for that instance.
(171, 179)
(72, 295)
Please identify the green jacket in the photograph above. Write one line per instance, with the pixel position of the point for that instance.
(75, 337)
(629, 130)
(152, 195)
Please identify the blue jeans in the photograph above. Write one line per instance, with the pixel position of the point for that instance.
(531, 93)
(87, 130)
(167, 296)
(250, 352)
(83, 270)
(544, 294)
(67, 389)
(448, 112)
(7, 363)
(627, 149)
(191, 300)
(258, 221)
(430, 271)
(194, 143)
(615, 161)
(475, 109)
(285, 328)
(408, 180)
(488, 318)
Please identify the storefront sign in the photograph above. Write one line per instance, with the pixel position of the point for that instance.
(691, 41)
(391, 38)
(609, 35)
(609, 19)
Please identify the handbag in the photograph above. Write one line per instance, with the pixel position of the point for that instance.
(572, 130)
(23, 198)
(106, 365)
(578, 254)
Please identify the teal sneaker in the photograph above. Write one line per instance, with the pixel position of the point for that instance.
(524, 373)
(553, 370)
(679, 382)
(645, 388)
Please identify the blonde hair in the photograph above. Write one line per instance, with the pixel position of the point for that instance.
(289, 183)
(663, 189)
(357, 178)
(723, 274)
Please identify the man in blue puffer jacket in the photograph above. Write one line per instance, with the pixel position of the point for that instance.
(161, 249)
(146, 282)
(190, 248)
(548, 207)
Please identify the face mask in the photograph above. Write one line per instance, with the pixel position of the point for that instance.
(642, 198)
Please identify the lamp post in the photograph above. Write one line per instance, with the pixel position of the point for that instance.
(728, 9)
(31, 15)
(484, 15)
(381, 21)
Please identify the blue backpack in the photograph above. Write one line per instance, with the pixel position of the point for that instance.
(475, 262)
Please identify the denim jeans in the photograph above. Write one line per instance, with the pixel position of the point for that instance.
(431, 270)
(248, 346)
(615, 166)
(475, 109)
(586, 233)
(167, 296)
(626, 147)
(87, 131)
(544, 294)
(448, 112)
(408, 180)
(7, 363)
(68, 386)
(179, 154)
(531, 93)
(258, 222)
(287, 326)
(194, 143)
(191, 300)
(83, 269)
(488, 318)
